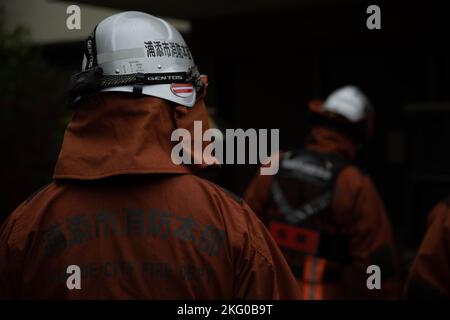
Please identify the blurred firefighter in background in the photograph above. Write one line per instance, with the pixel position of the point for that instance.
(137, 224)
(429, 277)
(324, 212)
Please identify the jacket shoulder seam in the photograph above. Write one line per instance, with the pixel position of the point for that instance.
(228, 193)
(38, 191)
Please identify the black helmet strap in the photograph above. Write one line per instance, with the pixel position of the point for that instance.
(92, 80)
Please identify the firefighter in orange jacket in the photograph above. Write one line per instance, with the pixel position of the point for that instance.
(324, 213)
(132, 222)
(429, 277)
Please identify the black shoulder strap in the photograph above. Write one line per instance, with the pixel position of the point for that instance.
(312, 168)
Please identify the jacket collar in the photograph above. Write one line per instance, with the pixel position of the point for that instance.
(326, 140)
(125, 134)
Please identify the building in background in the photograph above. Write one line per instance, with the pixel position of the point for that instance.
(46, 22)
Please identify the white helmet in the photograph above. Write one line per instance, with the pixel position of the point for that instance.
(348, 102)
(347, 105)
(137, 52)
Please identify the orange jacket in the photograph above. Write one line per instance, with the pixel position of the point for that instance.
(137, 225)
(357, 213)
(429, 277)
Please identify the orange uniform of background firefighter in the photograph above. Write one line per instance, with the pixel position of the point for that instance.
(330, 250)
(429, 277)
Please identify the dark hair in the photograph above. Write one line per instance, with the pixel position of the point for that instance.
(357, 132)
